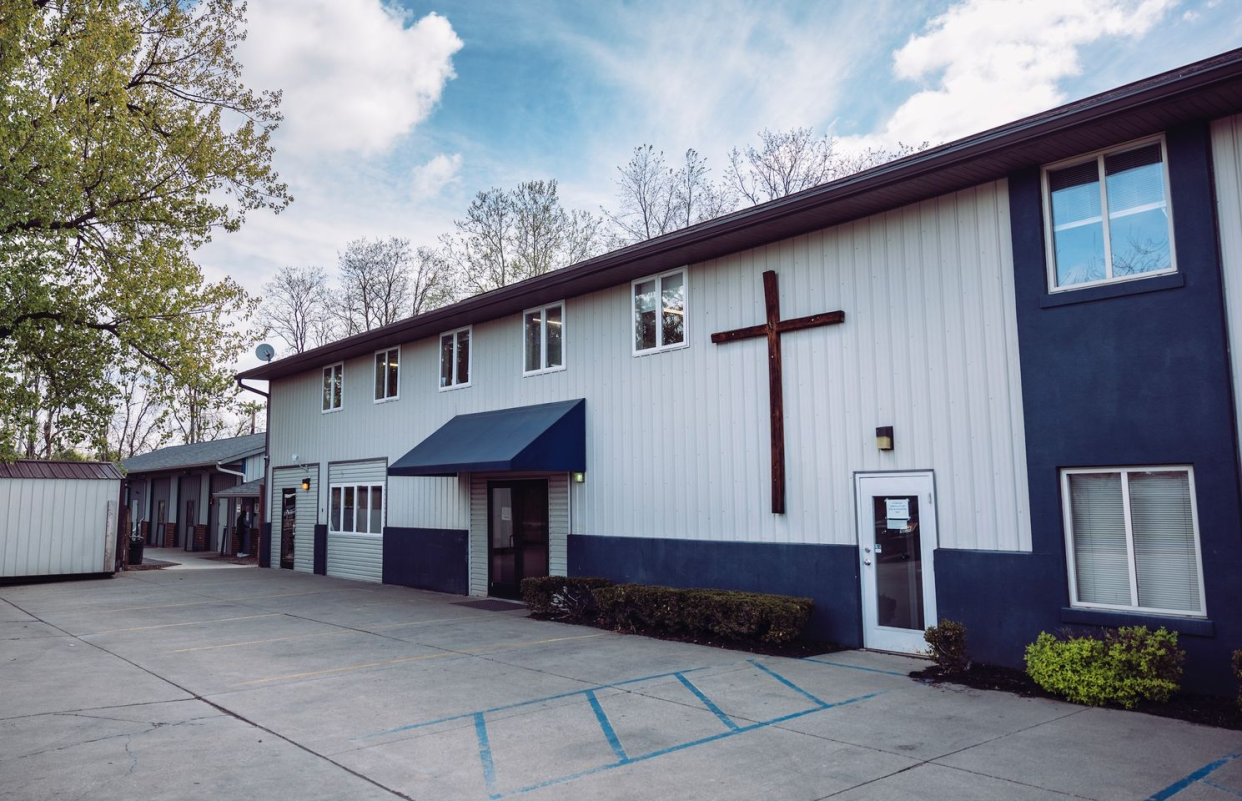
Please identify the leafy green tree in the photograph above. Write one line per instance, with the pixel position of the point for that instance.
(126, 140)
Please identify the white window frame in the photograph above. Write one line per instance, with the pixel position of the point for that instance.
(370, 494)
(469, 360)
(324, 375)
(543, 339)
(1067, 515)
(385, 351)
(1098, 157)
(660, 347)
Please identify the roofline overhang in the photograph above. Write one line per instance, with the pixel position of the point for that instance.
(179, 467)
(802, 212)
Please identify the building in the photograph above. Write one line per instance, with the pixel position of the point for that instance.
(58, 519)
(989, 382)
(189, 496)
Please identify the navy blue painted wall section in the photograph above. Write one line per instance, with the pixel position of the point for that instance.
(1140, 378)
(265, 546)
(826, 573)
(427, 558)
(320, 565)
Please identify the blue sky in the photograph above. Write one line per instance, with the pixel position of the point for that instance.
(397, 115)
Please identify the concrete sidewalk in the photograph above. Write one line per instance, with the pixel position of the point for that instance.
(188, 560)
(271, 684)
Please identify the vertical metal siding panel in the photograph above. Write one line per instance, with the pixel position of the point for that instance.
(1227, 168)
(558, 524)
(306, 516)
(478, 536)
(353, 556)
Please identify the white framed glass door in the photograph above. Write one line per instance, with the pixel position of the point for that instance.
(896, 542)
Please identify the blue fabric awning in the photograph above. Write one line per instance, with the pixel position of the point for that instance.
(548, 437)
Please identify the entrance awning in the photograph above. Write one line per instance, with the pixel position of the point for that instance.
(248, 490)
(548, 437)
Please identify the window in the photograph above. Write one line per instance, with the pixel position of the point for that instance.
(1132, 539)
(659, 312)
(387, 377)
(1108, 217)
(357, 509)
(543, 339)
(455, 358)
(333, 380)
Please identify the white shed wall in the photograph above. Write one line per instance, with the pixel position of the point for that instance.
(677, 442)
(52, 527)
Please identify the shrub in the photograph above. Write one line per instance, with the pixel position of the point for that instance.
(723, 614)
(1237, 671)
(1123, 667)
(947, 646)
(566, 598)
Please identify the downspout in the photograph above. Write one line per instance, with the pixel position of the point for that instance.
(267, 458)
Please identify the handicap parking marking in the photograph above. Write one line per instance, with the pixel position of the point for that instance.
(487, 759)
(1199, 776)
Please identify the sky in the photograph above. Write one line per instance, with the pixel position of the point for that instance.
(396, 114)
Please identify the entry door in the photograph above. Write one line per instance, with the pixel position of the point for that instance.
(288, 526)
(896, 539)
(517, 534)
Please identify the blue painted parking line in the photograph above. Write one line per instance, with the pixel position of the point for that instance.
(856, 667)
(606, 726)
(1198, 776)
(785, 681)
(485, 756)
(707, 702)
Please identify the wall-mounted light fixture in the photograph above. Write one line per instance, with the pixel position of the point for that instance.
(884, 438)
(579, 478)
(306, 483)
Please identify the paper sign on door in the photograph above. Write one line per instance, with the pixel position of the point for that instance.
(506, 513)
(897, 508)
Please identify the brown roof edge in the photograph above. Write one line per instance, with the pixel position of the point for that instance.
(1163, 88)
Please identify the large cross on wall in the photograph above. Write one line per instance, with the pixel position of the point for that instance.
(773, 328)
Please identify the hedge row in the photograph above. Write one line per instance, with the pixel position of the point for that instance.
(720, 614)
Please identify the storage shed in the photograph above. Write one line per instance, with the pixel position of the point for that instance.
(58, 518)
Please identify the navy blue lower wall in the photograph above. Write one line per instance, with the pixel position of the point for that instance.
(321, 550)
(265, 545)
(826, 573)
(427, 558)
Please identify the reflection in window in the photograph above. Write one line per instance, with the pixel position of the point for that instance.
(455, 358)
(659, 309)
(543, 338)
(357, 509)
(333, 379)
(386, 366)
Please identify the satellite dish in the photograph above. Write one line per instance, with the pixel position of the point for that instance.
(265, 352)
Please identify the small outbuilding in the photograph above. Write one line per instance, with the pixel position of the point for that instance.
(58, 518)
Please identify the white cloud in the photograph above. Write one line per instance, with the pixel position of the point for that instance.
(356, 74)
(991, 61)
(428, 179)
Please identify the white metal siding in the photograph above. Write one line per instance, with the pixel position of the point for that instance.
(307, 515)
(52, 527)
(357, 556)
(558, 524)
(677, 442)
(1227, 164)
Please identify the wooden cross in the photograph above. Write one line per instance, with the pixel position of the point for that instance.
(773, 329)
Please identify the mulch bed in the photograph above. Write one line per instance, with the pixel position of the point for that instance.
(1208, 710)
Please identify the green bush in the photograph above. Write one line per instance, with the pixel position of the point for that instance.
(947, 646)
(724, 614)
(1237, 671)
(567, 598)
(1122, 667)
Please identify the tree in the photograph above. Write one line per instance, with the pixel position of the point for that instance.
(128, 140)
(139, 421)
(431, 284)
(655, 199)
(790, 161)
(296, 307)
(509, 236)
(375, 284)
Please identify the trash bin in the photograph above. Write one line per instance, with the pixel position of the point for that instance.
(136, 545)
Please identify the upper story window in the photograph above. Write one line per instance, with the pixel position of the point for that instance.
(543, 338)
(1108, 217)
(1132, 539)
(658, 306)
(387, 374)
(455, 358)
(333, 386)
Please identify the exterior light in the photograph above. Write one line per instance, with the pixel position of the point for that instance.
(884, 438)
(579, 478)
(306, 483)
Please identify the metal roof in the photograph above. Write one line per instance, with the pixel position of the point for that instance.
(200, 454)
(1203, 90)
(250, 489)
(91, 471)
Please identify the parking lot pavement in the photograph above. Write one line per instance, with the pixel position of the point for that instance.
(271, 684)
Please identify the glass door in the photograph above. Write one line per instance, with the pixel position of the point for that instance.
(896, 543)
(517, 534)
(288, 526)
